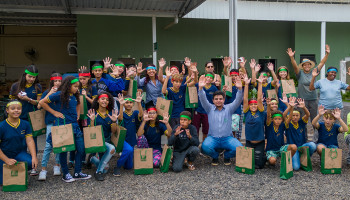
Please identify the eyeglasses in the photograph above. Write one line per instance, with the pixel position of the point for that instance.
(152, 113)
(210, 66)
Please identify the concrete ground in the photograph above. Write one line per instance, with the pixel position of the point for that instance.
(206, 182)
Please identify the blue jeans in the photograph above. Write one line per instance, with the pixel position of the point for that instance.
(211, 145)
(296, 157)
(21, 157)
(126, 160)
(105, 157)
(48, 149)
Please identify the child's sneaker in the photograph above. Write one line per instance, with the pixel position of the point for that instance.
(215, 162)
(56, 170)
(42, 175)
(68, 178)
(99, 176)
(81, 176)
(116, 171)
(33, 172)
(227, 161)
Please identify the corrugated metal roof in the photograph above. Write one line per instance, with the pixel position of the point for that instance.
(158, 8)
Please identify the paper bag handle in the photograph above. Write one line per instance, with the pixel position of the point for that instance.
(64, 120)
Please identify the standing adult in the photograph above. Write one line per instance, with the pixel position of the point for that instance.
(304, 76)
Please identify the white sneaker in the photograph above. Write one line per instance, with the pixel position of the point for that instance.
(33, 172)
(42, 175)
(56, 170)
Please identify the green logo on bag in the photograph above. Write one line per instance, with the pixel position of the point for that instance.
(14, 173)
(162, 107)
(143, 157)
(93, 136)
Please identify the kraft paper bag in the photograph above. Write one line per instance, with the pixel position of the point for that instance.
(132, 90)
(245, 161)
(83, 108)
(63, 138)
(119, 138)
(272, 94)
(37, 122)
(191, 100)
(15, 177)
(305, 160)
(143, 161)
(227, 80)
(164, 106)
(286, 170)
(165, 159)
(94, 139)
(331, 161)
(288, 87)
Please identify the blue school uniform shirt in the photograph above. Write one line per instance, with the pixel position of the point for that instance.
(105, 85)
(106, 124)
(70, 112)
(131, 123)
(229, 100)
(118, 81)
(265, 87)
(92, 93)
(281, 106)
(275, 137)
(31, 93)
(49, 118)
(209, 91)
(254, 125)
(178, 100)
(296, 133)
(330, 93)
(154, 134)
(328, 137)
(12, 138)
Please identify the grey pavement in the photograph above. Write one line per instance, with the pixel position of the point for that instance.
(206, 182)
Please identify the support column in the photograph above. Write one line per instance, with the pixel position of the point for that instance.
(154, 40)
(323, 47)
(233, 42)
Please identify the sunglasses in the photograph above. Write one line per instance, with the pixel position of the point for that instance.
(210, 66)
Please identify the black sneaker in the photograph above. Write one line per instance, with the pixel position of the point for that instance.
(215, 162)
(70, 165)
(227, 161)
(88, 161)
(116, 171)
(81, 176)
(68, 178)
(99, 176)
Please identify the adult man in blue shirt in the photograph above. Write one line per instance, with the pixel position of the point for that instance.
(219, 116)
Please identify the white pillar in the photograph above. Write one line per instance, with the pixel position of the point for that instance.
(154, 39)
(323, 47)
(233, 42)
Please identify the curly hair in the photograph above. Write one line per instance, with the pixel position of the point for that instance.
(89, 86)
(95, 105)
(65, 89)
(54, 74)
(21, 83)
(147, 77)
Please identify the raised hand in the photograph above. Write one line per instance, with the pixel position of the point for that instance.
(139, 96)
(201, 82)
(193, 67)
(178, 131)
(165, 119)
(246, 79)
(270, 66)
(139, 69)
(82, 68)
(145, 116)
(114, 115)
(301, 103)
(224, 88)
(187, 62)
(315, 72)
(260, 79)
(238, 82)
(227, 61)
(337, 113)
(115, 70)
(161, 62)
(268, 101)
(183, 70)
(290, 52)
(321, 110)
(252, 64)
(167, 72)
(91, 114)
(130, 73)
(121, 98)
(107, 62)
(242, 64)
(328, 49)
(257, 68)
(292, 101)
(284, 98)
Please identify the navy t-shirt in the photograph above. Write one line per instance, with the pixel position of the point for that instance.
(12, 138)
(296, 133)
(178, 100)
(254, 125)
(328, 137)
(49, 118)
(275, 137)
(106, 124)
(69, 112)
(92, 93)
(131, 123)
(154, 134)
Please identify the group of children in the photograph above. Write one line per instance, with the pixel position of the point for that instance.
(280, 121)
